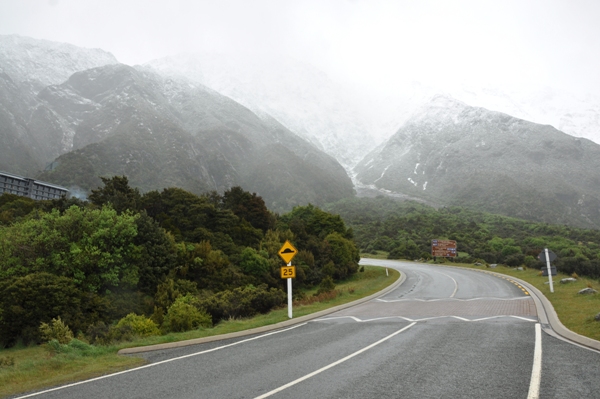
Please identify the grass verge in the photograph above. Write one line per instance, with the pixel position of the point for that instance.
(574, 310)
(25, 369)
(376, 255)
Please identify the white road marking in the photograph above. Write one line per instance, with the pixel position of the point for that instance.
(158, 363)
(358, 320)
(307, 376)
(536, 371)
(452, 299)
(455, 284)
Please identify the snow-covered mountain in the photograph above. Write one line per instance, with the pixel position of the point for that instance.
(42, 62)
(299, 96)
(54, 98)
(574, 114)
(450, 153)
(347, 122)
(161, 132)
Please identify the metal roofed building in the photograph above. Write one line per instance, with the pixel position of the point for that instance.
(31, 188)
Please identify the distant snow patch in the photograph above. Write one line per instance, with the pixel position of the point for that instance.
(425, 186)
(383, 173)
(416, 167)
(412, 182)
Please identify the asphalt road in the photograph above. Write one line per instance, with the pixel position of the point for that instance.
(444, 333)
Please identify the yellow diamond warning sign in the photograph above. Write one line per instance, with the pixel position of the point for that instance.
(287, 252)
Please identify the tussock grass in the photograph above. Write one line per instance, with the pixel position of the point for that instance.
(26, 369)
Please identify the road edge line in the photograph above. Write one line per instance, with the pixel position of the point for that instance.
(536, 369)
(258, 330)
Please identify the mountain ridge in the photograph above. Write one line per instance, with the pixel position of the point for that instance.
(451, 153)
(130, 119)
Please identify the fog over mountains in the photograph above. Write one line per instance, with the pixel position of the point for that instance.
(287, 131)
(299, 96)
(160, 132)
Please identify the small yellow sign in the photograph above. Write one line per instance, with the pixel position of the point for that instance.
(288, 272)
(287, 252)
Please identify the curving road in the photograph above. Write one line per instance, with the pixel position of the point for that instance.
(443, 333)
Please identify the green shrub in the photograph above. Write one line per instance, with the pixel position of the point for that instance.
(327, 285)
(56, 330)
(98, 333)
(183, 315)
(169, 290)
(123, 302)
(103, 334)
(242, 302)
(140, 325)
(120, 333)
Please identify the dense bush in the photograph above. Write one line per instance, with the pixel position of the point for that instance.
(171, 289)
(405, 229)
(185, 314)
(27, 301)
(242, 302)
(104, 267)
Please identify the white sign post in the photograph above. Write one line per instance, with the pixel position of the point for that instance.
(549, 270)
(287, 253)
(289, 292)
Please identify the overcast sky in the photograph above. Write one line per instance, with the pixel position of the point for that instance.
(527, 43)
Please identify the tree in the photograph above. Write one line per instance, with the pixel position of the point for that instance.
(117, 192)
(93, 247)
(13, 206)
(249, 207)
(157, 253)
(254, 263)
(344, 255)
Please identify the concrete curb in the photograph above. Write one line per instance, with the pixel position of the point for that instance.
(547, 315)
(551, 320)
(263, 329)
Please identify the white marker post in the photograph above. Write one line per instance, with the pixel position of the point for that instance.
(549, 270)
(289, 292)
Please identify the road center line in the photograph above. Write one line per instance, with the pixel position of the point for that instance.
(455, 284)
(161, 362)
(307, 376)
(536, 371)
